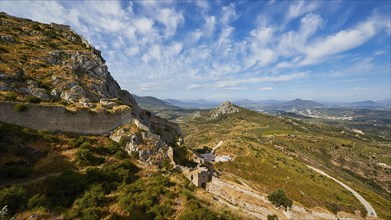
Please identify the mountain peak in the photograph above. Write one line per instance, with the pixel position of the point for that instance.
(226, 103)
(226, 108)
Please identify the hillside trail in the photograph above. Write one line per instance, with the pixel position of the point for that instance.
(38, 179)
(368, 207)
(217, 146)
(35, 180)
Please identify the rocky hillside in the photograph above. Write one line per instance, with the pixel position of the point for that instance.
(226, 108)
(53, 65)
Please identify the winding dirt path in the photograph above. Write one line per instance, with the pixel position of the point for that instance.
(218, 145)
(368, 207)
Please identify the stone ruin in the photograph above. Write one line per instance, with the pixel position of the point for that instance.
(60, 27)
(199, 176)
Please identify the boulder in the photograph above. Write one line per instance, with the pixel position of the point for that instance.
(73, 94)
(7, 38)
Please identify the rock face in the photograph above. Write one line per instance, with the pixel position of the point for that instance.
(226, 108)
(197, 115)
(66, 70)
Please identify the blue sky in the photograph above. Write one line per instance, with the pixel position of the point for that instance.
(226, 50)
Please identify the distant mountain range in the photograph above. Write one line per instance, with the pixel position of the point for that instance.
(148, 102)
(263, 105)
(193, 104)
(299, 104)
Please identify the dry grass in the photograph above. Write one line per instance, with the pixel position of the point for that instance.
(252, 139)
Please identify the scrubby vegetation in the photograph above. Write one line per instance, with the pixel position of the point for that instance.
(64, 178)
(263, 145)
(20, 107)
(280, 199)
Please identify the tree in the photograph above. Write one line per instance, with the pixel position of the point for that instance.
(279, 198)
(13, 197)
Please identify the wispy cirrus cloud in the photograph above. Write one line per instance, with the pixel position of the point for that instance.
(205, 47)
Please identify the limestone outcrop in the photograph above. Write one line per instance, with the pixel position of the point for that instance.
(226, 108)
(60, 69)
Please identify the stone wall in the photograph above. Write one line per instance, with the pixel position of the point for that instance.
(60, 27)
(169, 132)
(57, 118)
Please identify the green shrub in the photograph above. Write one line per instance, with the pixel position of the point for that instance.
(332, 207)
(52, 45)
(10, 97)
(38, 201)
(272, 217)
(20, 107)
(279, 198)
(193, 210)
(92, 213)
(135, 155)
(35, 27)
(86, 157)
(123, 141)
(33, 99)
(145, 198)
(120, 155)
(85, 145)
(51, 138)
(88, 203)
(77, 142)
(113, 147)
(166, 164)
(14, 198)
(65, 188)
(50, 34)
(92, 197)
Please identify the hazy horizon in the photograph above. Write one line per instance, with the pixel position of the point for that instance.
(337, 51)
(260, 100)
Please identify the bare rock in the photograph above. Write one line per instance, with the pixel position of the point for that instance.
(8, 39)
(73, 94)
(39, 92)
(226, 108)
(55, 57)
(197, 115)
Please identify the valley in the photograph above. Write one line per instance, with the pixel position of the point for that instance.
(271, 153)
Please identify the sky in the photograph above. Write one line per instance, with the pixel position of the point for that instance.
(230, 50)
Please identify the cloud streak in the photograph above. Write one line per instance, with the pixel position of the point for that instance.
(202, 47)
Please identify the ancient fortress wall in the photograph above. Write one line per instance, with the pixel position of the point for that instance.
(57, 118)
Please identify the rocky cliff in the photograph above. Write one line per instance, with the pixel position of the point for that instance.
(53, 65)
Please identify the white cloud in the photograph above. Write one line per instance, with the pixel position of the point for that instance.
(142, 40)
(171, 19)
(342, 41)
(279, 78)
(209, 26)
(357, 89)
(133, 51)
(349, 80)
(301, 8)
(266, 88)
(194, 86)
(143, 25)
(228, 14)
(203, 4)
